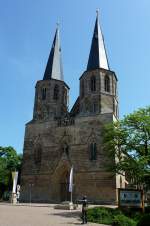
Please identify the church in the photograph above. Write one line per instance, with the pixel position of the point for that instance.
(57, 139)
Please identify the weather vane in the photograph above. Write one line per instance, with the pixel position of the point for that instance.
(58, 24)
(97, 12)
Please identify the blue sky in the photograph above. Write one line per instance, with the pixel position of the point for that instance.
(26, 32)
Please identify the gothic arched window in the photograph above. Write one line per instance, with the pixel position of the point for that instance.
(93, 83)
(44, 94)
(93, 151)
(66, 148)
(121, 184)
(107, 83)
(56, 92)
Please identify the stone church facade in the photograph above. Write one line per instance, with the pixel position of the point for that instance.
(56, 139)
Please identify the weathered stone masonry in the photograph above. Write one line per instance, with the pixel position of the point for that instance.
(56, 139)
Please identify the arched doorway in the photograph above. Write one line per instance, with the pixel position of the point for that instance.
(64, 187)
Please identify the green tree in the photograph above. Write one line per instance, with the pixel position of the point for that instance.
(129, 141)
(9, 161)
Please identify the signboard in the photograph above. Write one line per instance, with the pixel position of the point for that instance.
(130, 198)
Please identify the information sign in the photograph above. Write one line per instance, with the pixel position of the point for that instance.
(130, 198)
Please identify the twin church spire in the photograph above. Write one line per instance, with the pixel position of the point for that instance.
(54, 68)
(97, 57)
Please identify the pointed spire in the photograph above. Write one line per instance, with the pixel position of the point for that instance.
(54, 65)
(98, 56)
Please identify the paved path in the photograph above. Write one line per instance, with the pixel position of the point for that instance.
(38, 215)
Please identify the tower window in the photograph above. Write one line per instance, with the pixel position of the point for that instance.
(44, 94)
(93, 151)
(66, 149)
(93, 83)
(121, 184)
(56, 92)
(107, 83)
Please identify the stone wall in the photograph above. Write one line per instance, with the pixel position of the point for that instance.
(90, 177)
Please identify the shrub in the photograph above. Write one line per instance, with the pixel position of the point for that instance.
(100, 215)
(134, 214)
(115, 217)
(144, 221)
(147, 209)
(121, 220)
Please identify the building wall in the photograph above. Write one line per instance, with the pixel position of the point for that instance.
(43, 178)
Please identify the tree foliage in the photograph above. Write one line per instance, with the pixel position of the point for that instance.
(129, 141)
(9, 161)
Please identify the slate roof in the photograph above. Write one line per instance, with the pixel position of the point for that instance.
(97, 56)
(54, 68)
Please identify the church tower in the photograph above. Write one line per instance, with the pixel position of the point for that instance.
(51, 95)
(98, 84)
(56, 139)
